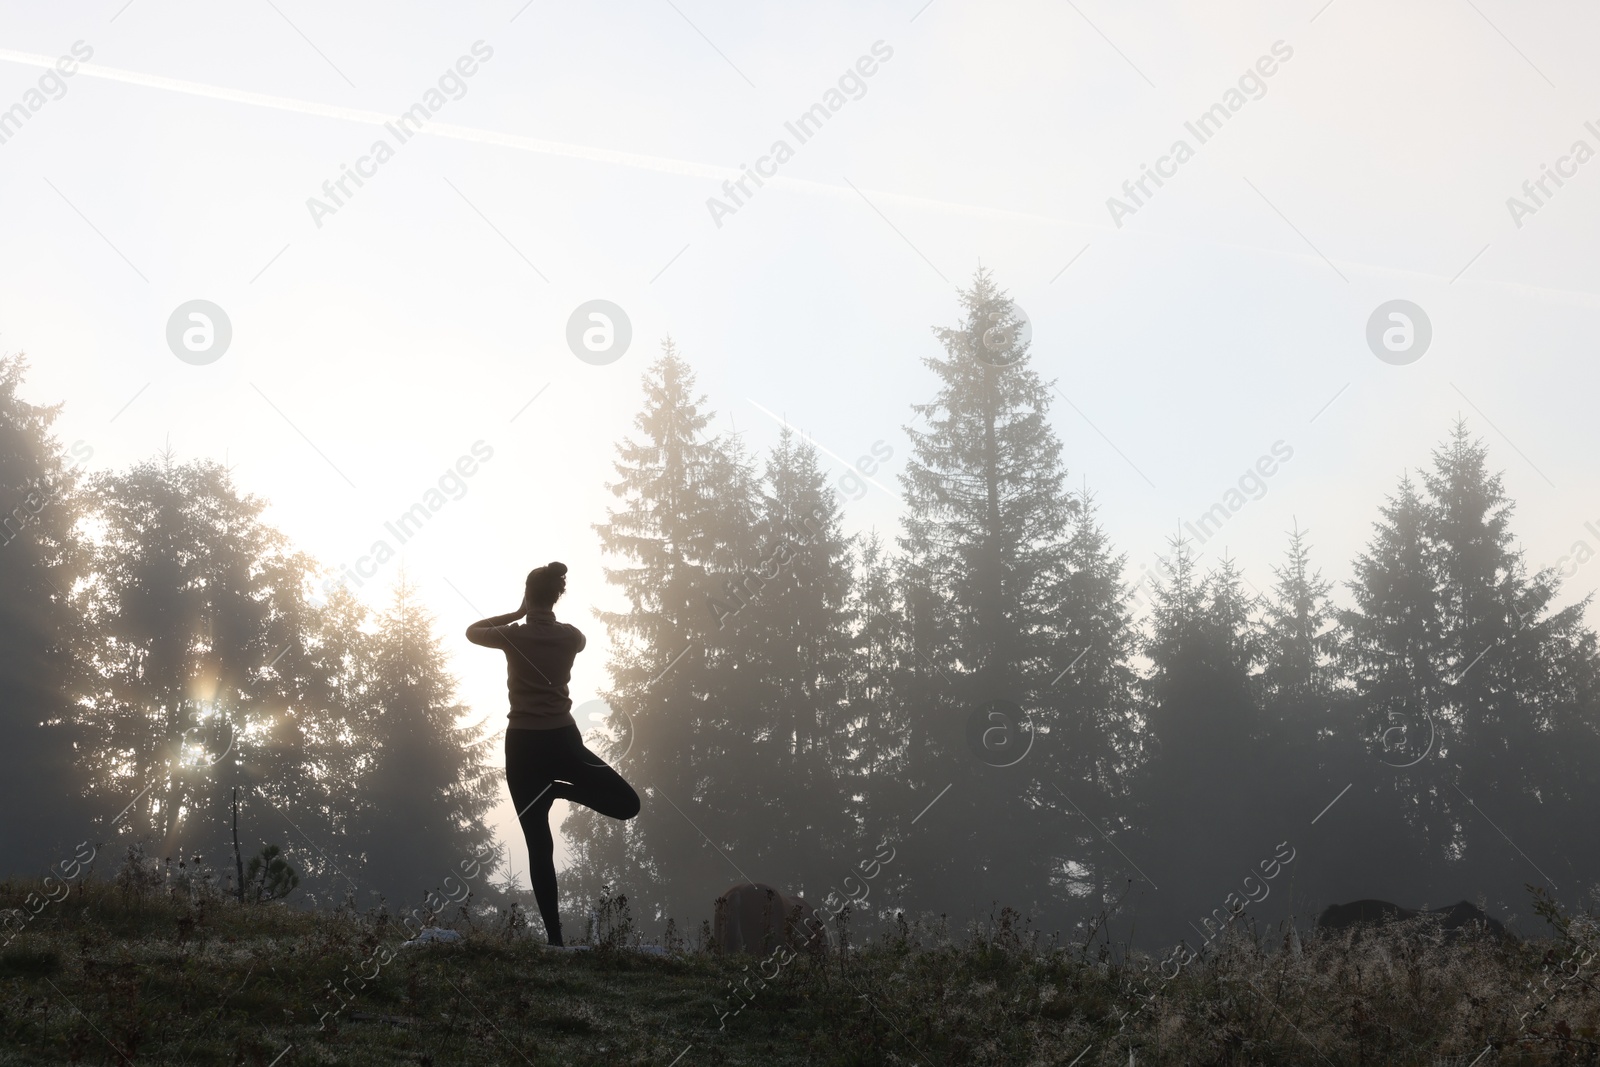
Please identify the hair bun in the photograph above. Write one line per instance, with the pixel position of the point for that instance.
(557, 569)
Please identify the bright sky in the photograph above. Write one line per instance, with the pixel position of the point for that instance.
(377, 339)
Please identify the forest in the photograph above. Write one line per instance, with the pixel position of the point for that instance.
(792, 701)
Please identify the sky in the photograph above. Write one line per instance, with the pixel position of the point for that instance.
(381, 333)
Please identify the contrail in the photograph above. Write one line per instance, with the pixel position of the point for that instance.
(687, 168)
(635, 160)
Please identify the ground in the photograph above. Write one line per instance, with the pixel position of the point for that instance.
(108, 976)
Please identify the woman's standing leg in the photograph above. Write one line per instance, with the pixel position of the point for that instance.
(543, 766)
(531, 760)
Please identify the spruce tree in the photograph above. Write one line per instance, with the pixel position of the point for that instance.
(1094, 744)
(1202, 788)
(683, 538)
(875, 734)
(40, 503)
(423, 798)
(793, 632)
(1512, 662)
(1393, 652)
(983, 572)
(1470, 685)
(1305, 705)
(1298, 642)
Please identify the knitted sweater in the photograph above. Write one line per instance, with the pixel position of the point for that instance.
(539, 655)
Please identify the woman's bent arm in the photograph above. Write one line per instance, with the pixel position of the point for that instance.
(482, 631)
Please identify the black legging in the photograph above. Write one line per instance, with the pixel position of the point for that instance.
(543, 766)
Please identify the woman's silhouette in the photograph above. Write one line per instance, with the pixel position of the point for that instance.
(545, 756)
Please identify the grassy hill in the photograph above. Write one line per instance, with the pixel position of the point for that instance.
(114, 975)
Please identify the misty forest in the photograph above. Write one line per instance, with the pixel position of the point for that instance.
(977, 695)
(975, 721)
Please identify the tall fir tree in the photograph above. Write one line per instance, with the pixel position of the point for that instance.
(1486, 693)
(1095, 745)
(792, 627)
(1392, 648)
(876, 730)
(1485, 689)
(1204, 788)
(40, 561)
(1304, 703)
(1298, 644)
(424, 796)
(683, 535)
(985, 576)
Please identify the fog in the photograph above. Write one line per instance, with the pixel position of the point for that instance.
(1077, 314)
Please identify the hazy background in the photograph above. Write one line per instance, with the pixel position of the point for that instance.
(415, 320)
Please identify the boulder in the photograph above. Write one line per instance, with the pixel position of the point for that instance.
(755, 918)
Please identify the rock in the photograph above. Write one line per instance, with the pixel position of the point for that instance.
(755, 918)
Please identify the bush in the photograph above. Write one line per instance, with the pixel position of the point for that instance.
(269, 877)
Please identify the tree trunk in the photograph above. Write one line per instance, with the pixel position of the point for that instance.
(238, 862)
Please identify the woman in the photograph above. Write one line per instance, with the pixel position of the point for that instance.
(545, 756)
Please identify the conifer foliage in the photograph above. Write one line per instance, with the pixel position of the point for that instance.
(973, 689)
(1011, 588)
(684, 541)
(426, 790)
(40, 560)
(990, 661)
(195, 664)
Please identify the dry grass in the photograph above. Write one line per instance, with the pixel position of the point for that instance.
(138, 975)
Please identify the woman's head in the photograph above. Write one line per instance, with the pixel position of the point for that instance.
(545, 585)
